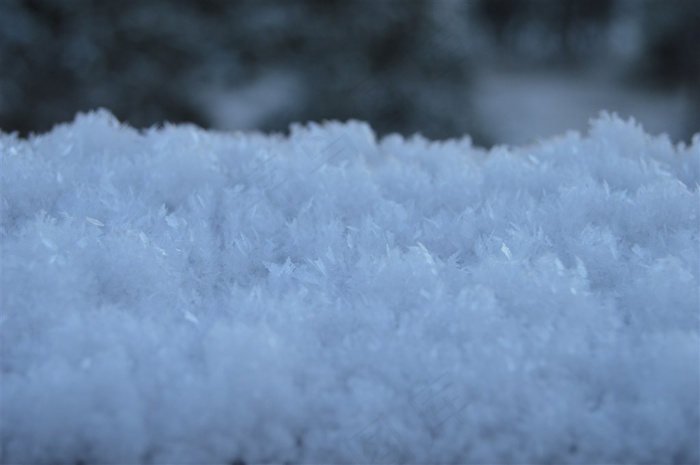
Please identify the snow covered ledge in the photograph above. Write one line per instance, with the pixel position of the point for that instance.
(182, 296)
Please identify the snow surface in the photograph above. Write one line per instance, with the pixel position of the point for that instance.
(183, 296)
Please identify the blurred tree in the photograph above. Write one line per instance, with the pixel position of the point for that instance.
(671, 58)
(150, 61)
(552, 30)
(403, 66)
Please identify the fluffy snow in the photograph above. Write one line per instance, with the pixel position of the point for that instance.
(182, 296)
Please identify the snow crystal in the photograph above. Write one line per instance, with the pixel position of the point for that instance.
(182, 296)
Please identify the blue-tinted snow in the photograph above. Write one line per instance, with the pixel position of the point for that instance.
(182, 296)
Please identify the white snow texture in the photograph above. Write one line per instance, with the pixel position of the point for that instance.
(182, 296)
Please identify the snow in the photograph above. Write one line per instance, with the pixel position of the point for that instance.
(182, 296)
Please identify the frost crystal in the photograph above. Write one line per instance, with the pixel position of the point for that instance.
(179, 296)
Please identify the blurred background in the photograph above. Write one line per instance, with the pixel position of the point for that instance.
(504, 71)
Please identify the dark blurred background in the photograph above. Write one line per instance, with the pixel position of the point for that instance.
(504, 71)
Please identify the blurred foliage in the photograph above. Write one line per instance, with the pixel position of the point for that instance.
(557, 30)
(403, 66)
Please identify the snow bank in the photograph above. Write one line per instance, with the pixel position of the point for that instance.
(183, 296)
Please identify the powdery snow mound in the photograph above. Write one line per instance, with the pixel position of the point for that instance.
(183, 296)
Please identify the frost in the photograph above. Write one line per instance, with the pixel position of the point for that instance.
(330, 298)
(94, 221)
(506, 251)
(191, 318)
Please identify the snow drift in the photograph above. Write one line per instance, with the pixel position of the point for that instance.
(183, 296)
